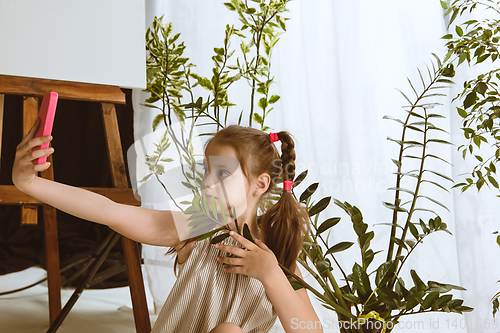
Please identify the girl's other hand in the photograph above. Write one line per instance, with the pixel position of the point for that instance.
(258, 261)
(24, 172)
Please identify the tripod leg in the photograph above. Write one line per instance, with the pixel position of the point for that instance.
(110, 242)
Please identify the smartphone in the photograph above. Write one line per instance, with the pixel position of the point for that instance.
(46, 114)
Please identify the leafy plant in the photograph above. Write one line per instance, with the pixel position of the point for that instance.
(385, 298)
(477, 40)
(171, 81)
(360, 297)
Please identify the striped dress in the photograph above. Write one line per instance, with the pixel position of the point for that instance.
(204, 296)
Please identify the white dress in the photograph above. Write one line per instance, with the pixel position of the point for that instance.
(204, 295)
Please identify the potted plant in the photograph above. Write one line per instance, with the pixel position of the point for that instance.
(366, 299)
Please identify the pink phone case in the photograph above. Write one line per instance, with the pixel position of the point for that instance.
(46, 114)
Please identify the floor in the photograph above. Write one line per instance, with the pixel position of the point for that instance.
(96, 311)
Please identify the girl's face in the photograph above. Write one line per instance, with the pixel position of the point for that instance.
(224, 179)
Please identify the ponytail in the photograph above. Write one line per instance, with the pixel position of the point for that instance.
(285, 225)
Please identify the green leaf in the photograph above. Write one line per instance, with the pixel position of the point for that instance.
(214, 206)
(145, 178)
(385, 272)
(463, 56)
(459, 31)
(204, 204)
(395, 119)
(449, 71)
(258, 118)
(440, 141)
(239, 119)
(351, 298)
(481, 88)
(493, 181)
(223, 212)
(401, 189)
(434, 200)
(424, 227)
(189, 185)
(263, 103)
(219, 50)
(322, 266)
(443, 300)
(418, 281)
(361, 281)
(388, 296)
(157, 120)
(462, 308)
(440, 175)
(308, 192)
(470, 99)
(393, 207)
(410, 243)
(413, 230)
(328, 224)
(339, 247)
(399, 242)
(296, 285)
(274, 99)
(219, 238)
(320, 206)
(247, 234)
(398, 163)
(299, 178)
(250, 10)
(208, 234)
(429, 300)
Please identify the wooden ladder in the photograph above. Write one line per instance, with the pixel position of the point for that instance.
(32, 90)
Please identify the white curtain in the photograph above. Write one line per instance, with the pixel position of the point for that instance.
(337, 69)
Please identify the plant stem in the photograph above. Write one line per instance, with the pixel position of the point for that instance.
(257, 44)
(337, 307)
(415, 196)
(437, 74)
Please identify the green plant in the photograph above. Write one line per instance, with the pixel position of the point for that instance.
(386, 298)
(480, 109)
(171, 81)
(362, 299)
(480, 98)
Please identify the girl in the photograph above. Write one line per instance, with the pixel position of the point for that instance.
(233, 286)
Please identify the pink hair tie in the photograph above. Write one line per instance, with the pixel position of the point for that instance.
(273, 137)
(287, 185)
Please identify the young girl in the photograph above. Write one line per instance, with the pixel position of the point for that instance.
(233, 286)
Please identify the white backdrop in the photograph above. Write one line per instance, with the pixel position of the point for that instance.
(89, 41)
(336, 69)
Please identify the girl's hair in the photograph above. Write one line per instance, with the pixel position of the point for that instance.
(285, 225)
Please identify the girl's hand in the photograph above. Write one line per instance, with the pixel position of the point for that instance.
(258, 261)
(24, 171)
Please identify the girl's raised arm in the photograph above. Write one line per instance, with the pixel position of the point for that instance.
(140, 224)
